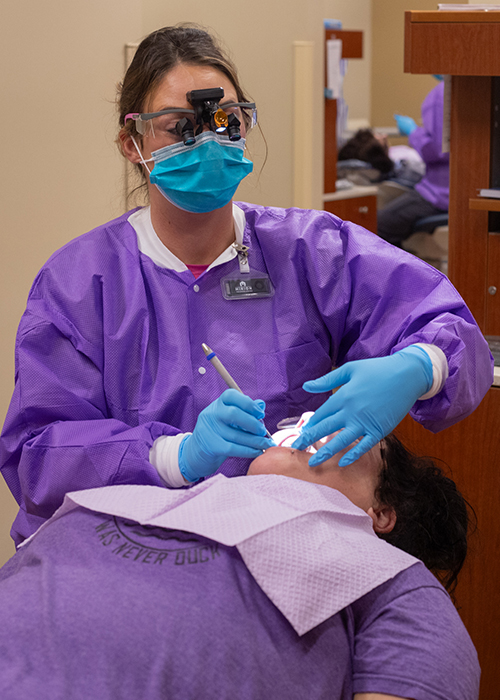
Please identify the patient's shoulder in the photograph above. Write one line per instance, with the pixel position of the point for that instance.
(414, 578)
(409, 589)
(406, 632)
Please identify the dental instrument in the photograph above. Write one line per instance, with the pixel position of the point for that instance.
(214, 360)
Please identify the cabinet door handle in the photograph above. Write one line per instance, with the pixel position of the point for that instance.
(363, 210)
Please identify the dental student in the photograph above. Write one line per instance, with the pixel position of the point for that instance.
(112, 384)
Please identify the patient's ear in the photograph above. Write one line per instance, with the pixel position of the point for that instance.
(384, 518)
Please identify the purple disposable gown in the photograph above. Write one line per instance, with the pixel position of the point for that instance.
(427, 140)
(109, 350)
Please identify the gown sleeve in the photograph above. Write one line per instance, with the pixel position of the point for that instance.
(377, 299)
(397, 300)
(427, 139)
(59, 434)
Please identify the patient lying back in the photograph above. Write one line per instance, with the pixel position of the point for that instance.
(99, 606)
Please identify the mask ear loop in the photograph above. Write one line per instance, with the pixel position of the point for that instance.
(144, 162)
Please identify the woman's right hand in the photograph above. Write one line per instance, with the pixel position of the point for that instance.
(229, 427)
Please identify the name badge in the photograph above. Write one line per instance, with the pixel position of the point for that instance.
(253, 286)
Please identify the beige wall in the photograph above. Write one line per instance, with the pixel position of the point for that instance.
(394, 91)
(61, 172)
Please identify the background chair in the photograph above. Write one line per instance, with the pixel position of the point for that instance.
(429, 241)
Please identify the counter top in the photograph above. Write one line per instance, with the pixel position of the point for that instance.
(356, 191)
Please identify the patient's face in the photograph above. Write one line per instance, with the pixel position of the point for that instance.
(358, 481)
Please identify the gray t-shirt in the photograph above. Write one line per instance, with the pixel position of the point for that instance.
(99, 607)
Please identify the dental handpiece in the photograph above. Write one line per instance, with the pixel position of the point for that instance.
(214, 360)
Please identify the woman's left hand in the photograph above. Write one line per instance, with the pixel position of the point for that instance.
(374, 396)
(406, 125)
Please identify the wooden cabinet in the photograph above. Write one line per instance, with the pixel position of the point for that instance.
(358, 205)
(465, 46)
(471, 449)
(492, 318)
(452, 43)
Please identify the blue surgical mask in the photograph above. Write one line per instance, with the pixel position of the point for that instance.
(202, 177)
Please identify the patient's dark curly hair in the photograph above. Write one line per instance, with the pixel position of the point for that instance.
(432, 515)
(364, 146)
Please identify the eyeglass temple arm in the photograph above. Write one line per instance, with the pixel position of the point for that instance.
(150, 115)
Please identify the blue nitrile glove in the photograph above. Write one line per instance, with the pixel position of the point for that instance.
(405, 124)
(229, 427)
(374, 396)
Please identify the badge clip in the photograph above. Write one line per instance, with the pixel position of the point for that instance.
(246, 285)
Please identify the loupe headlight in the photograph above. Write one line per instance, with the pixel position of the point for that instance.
(219, 119)
(206, 108)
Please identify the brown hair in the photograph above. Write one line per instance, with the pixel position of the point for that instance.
(366, 147)
(432, 516)
(156, 55)
(161, 51)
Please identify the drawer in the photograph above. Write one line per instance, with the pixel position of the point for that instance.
(359, 210)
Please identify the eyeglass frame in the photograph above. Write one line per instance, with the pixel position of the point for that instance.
(146, 116)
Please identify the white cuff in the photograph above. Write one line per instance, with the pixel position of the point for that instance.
(164, 456)
(439, 369)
